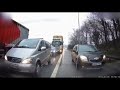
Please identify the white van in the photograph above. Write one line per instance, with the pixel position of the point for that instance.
(29, 55)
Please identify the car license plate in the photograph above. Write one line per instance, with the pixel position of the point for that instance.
(95, 64)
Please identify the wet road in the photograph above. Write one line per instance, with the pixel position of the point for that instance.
(68, 69)
(62, 67)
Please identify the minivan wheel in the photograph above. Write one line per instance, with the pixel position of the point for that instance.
(49, 60)
(37, 70)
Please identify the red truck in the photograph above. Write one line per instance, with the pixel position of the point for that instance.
(11, 32)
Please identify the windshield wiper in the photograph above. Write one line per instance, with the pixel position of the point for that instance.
(22, 47)
(91, 51)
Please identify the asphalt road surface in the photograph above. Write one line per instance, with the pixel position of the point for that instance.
(62, 67)
(67, 69)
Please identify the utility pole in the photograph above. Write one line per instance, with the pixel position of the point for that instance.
(81, 32)
(78, 21)
(78, 24)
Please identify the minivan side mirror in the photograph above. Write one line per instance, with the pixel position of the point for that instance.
(76, 52)
(73, 50)
(43, 48)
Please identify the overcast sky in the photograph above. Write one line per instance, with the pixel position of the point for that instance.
(45, 25)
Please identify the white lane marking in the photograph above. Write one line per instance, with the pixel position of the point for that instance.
(57, 66)
(53, 60)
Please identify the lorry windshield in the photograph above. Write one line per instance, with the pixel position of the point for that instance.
(27, 43)
(56, 43)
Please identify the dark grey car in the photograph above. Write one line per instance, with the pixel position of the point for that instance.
(87, 55)
(29, 55)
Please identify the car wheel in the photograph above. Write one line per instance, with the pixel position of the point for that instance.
(77, 64)
(72, 60)
(37, 70)
(80, 65)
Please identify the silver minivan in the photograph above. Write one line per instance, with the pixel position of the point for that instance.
(29, 55)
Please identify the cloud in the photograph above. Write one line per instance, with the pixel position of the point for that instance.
(48, 24)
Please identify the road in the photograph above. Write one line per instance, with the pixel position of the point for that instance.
(62, 67)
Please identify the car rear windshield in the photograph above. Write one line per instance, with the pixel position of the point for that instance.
(87, 48)
(27, 43)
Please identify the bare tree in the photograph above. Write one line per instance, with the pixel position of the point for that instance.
(101, 28)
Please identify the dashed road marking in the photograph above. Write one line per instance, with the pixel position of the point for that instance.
(57, 66)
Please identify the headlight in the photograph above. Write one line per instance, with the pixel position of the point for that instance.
(83, 58)
(104, 57)
(27, 61)
(53, 51)
(5, 57)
